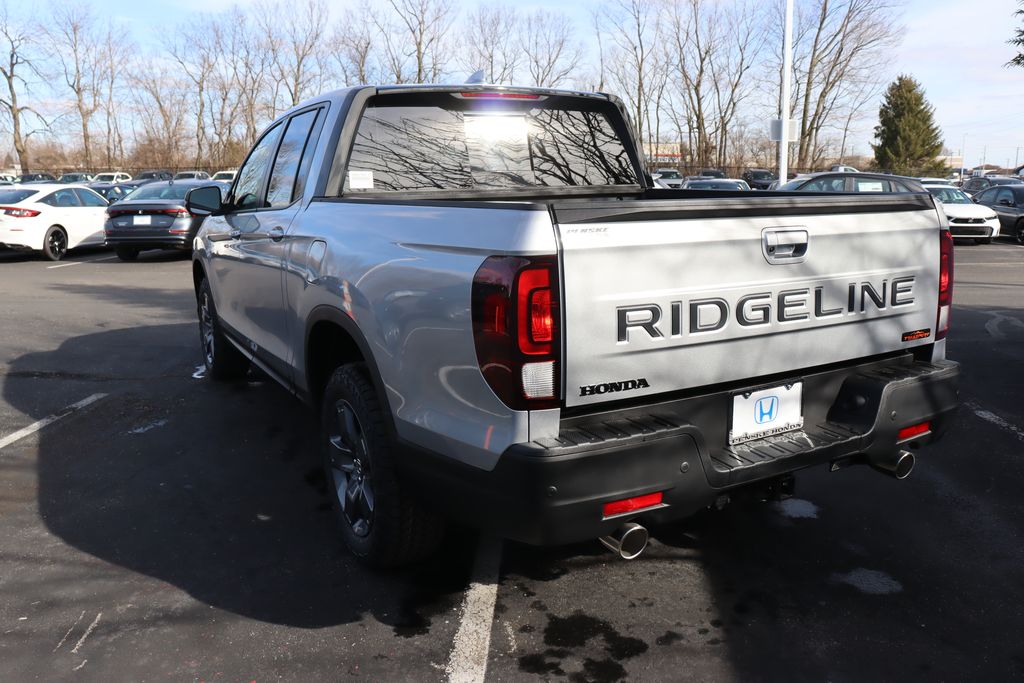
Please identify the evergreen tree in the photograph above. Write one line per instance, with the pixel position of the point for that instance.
(908, 141)
(1018, 41)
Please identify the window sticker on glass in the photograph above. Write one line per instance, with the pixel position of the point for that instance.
(360, 180)
(869, 186)
(498, 143)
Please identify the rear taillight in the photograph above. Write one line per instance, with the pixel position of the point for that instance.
(945, 284)
(15, 212)
(515, 327)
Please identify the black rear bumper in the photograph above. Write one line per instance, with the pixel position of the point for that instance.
(552, 491)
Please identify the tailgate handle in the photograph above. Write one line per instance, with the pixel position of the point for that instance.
(784, 245)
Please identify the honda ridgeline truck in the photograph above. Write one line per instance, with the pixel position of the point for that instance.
(502, 321)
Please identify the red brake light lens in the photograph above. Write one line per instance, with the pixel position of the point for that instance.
(500, 95)
(914, 430)
(534, 307)
(16, 212)
(515, 329)
(945, 284)
(619, 507)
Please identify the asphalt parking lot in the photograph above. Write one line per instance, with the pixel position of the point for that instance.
(162, 527)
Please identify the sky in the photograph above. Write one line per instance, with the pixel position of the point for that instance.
(955, 49)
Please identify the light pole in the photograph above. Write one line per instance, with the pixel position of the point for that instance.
(784, 114)
(963, 157)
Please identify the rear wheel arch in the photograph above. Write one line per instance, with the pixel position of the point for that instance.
(198, 275)
(333, 339)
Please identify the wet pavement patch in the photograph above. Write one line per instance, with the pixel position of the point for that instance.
(870, 582)
(564, 635)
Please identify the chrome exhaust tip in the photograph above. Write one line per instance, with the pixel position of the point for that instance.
(899, 465)
(628, 541)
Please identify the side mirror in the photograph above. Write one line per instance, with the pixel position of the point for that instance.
(202, 201)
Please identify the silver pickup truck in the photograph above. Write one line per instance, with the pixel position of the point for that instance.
(502, 322)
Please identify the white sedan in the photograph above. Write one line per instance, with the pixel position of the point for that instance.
(966, 219)
(51, 218)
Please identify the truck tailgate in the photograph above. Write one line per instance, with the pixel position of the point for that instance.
(665, 295)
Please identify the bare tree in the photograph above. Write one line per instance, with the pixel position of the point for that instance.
(15, 65)
(76, 43)
(632, 30)
(355, 45)
(551, 54)
(114, 54)
(415, 30)
(838, 42)
(197, 58)
(489, 40)
(744, 37)
(157, 91)
(298, 36)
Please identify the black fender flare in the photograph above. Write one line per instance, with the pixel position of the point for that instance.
(325, 313)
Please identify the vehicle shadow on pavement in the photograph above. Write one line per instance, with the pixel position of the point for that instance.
(211, 489)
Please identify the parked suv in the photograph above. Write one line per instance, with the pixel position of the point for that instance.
(1008, 203)
(542, 345)
(976, 184)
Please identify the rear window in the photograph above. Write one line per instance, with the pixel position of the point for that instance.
(15, 196)
(448, 143)
(161, 191)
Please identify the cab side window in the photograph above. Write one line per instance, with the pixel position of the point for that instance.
(282, 186)
(249, 186)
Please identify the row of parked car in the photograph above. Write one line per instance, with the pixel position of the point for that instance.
(114, 177)
(150, 213)
(982, 209)
(51, 218)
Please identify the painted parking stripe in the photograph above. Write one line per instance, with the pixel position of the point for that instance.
(468, 660)
(65, 265)
(50, 419)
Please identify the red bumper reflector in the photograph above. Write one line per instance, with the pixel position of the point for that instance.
(618, 507)
(914, 430)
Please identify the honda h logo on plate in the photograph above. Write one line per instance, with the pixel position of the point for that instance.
(766, 409)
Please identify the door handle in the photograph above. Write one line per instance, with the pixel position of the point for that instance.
(784, 245)
(235, 234)
(277, 233)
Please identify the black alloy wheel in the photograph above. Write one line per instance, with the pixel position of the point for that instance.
(349, 461)
(222, 360)
(55, 246)
(379, 520)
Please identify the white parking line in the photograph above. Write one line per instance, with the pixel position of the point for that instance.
(50, 419)
(989, 416)
(65, 265)
(468, 660)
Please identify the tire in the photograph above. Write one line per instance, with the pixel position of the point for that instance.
(983, 240)
(55, 243)
(126, 254)
(380, 523)
(222, 360)
(1018, 232)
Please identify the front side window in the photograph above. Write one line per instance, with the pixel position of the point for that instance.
(250, 178)
(985, 197)
(1004, 196)
(447, 143)
(89, 198)
(280, 189)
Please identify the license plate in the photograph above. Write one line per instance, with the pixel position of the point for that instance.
(142, 220)
(761, 413)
